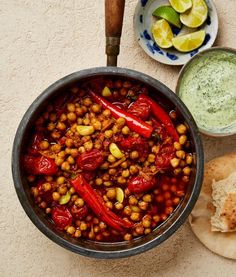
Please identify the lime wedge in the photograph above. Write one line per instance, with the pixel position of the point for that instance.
(189, 42)
(162, 33)
(169, 14)
(196, 16)
(181, 6)
(120, 195)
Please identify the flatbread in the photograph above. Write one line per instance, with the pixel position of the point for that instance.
(223, 244)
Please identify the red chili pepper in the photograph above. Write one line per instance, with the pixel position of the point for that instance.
(79, 213)
(61, 216)
(161, 115)
(138, 144)
(133, 122)
(93, 200)
(140, 184)
(39, 165)
(164, 156)
(90, 160)
(140, 109)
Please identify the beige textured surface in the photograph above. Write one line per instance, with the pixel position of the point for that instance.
(41, 41)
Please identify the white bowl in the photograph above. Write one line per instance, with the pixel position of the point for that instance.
(142, 27)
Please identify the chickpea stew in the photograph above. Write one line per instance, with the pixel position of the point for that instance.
(106, 162)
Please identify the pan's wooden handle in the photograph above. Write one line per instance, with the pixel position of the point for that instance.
(114, 11)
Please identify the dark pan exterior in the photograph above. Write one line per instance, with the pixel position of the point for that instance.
(85, 247)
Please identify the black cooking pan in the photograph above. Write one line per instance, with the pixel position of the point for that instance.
(114, 16)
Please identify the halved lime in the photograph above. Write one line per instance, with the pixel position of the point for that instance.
(162, 33)
(189, 42)
(196, 16)
(169, 14)
(181, 5)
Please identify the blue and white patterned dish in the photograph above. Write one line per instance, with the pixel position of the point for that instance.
(143, 20)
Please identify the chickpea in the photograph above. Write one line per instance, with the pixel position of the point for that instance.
(156, 218)
(143, 205)
(69, 142)
(112, 171)
(187, 170)
(86, 121)
(111, 158)
(180, 154)
(95, 220)
(72, 190)
(127, 84)
(71, 116)
(55, 135)
(127, 237)
(177, 171)
(147, 231)
(120, 121)
(134, 155)
(115, 129)
(111, 193)
(102, 225)
(88, 145)
(56, 196)
(62, 190)
(84, 109)
(169, 210)
(177, 145)
(146, 223)
(79, 202)
(185, 179)
(159, 198)
(83, 226)
(135, 216)
(44, 145)
(106, 113)
(63, 117)
(97, 125)
(109, 204)
(181, 129)
(133, 169)
(96, 229)
(98, 181)
(151, 158)
(106, 177)
(182, 139)
(87, 101)
(43, 205)
(167, 195)
(51, 126)
(124, 165)
(61, 126)
(173, 188)
(65, 166)
(127, 211)
(155, 149)
(125, 130)
(48, 210)
(189, 159)
(133, 200)
(153, 168)
(108, 133)
(70, 230)
(125, 173)
(74, 152)
(139, 230)
(96, 108)
(147, 198)
(59, 161)
(174, 162)
(176, 200)
(121, 180)
(81, 150)
(119, 206)
(104, 165)
(77, 234)
(56, 148)
(47, 186)
(79, 112)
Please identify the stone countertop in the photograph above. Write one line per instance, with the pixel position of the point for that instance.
(41, 41)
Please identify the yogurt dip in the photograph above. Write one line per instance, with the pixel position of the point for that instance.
(208, 89)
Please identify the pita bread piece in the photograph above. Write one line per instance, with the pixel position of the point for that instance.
(221, 243)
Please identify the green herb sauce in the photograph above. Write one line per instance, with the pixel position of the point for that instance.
(208, 89)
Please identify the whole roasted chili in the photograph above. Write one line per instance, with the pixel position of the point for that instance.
(91, 160)
(79, 212)
(133, 122)
(140, 108)
(139, 184)
(164, 156)
(39, 165)
(160, 115)
(132, 143)
(93, 200)
(61, 217)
